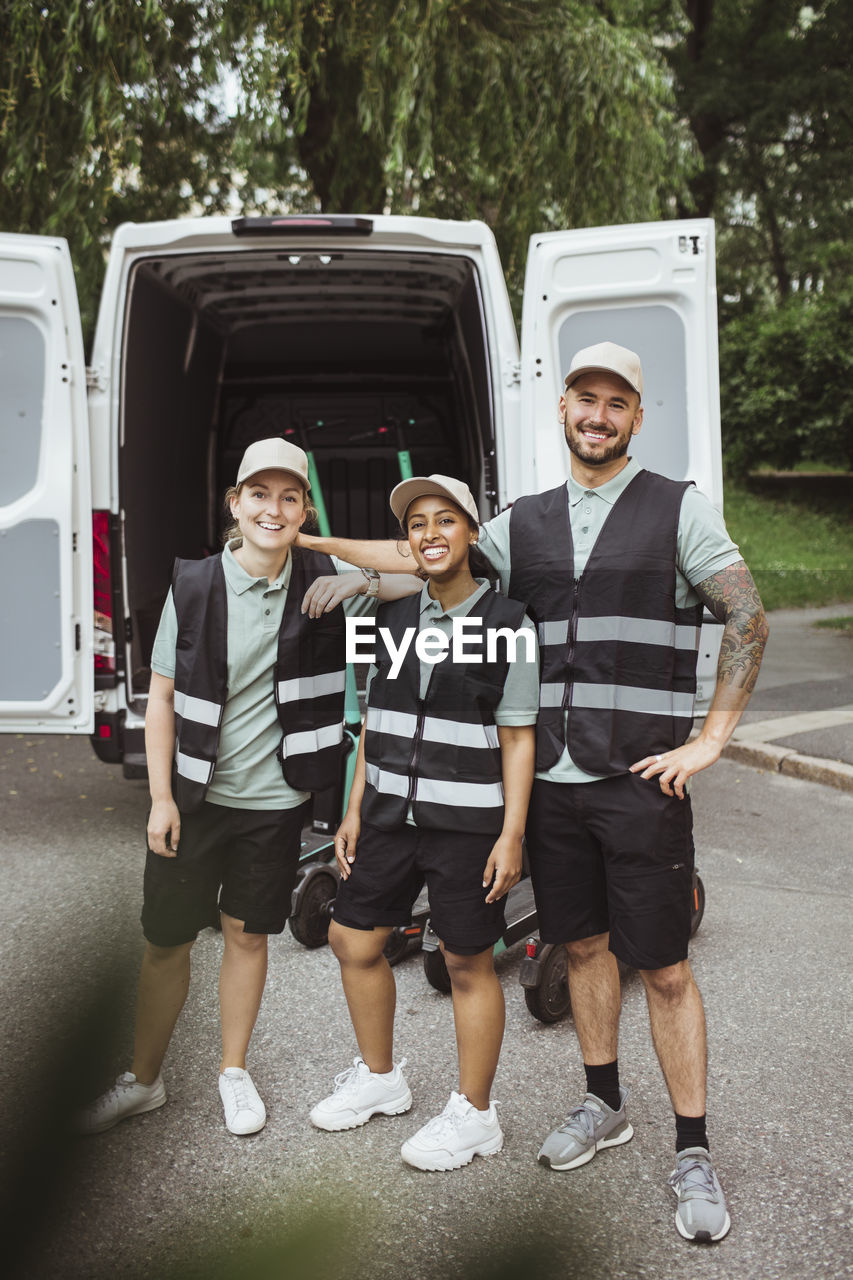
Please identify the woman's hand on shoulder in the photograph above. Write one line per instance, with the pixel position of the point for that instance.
(327, 592)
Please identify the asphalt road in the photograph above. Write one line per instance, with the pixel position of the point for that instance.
(173, 1194)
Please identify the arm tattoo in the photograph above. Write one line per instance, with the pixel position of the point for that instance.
(732, 597)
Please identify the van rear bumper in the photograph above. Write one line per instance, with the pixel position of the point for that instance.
(135, 764)
(108, 739)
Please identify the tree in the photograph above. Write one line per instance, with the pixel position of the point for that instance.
(532, 114)
(108, 110)
(787, 382)
(766, 87)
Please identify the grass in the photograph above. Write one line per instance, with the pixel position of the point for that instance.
(844, 625)
(800, 552)
(805, 468)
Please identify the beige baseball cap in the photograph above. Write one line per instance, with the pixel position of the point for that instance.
(274, 454)
(404, 494)
(607, 357)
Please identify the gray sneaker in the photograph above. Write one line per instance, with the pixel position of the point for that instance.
(701, 1214)
(586, 1129)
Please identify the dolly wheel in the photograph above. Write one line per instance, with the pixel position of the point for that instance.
(550, 1001)
(309, 924)
(435, 969)
(697, 906)
(396, 946)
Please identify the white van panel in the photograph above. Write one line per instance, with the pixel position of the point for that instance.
(45, 508)
(650, 287)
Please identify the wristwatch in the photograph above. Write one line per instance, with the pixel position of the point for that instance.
(372, 577)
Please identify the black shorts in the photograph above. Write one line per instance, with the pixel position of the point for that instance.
(613, 856)
(391, 868)
(240, 861)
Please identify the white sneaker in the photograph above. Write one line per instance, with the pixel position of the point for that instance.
(359, 1094)
(244, 1110)
(455, 1137)
(126, 1098)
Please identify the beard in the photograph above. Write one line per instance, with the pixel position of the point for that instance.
(596, 455)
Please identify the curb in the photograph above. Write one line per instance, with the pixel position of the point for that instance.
(784, 760)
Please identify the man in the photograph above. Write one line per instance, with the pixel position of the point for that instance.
(615, 567)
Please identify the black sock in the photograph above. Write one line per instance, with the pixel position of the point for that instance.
(690, 1132)
(603, 1081)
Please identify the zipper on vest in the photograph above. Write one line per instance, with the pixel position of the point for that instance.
(414, 759)
(416, 751)
(570, 655)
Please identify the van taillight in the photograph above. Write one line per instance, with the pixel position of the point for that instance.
(105, 661)
(336, 224)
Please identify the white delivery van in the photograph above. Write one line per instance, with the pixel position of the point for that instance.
(355, 336)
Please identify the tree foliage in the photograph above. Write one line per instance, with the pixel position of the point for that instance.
(108, 111)
(787, 383)
(531, 115)
(766, 87)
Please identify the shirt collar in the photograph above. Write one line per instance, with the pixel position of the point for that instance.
(610, 491)
(431, 608)
(239, 580)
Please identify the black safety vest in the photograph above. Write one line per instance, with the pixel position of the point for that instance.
(439, 754)
(308, 678)
(615, 652)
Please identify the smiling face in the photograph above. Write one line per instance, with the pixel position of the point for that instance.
(440, 534)
(269, 509)
(600, 413)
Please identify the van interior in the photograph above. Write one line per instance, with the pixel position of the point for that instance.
(353, 354)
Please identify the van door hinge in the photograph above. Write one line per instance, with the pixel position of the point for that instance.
(96, 379)
(511, 372)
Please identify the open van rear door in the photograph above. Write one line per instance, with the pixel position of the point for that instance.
(46, 681)
(650, 287)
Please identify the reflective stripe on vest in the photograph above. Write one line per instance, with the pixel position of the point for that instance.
(627, 630)
(194, 770)
(198, 709)
(476, 795)
(454, 732)
(311, 687)
(310, 740)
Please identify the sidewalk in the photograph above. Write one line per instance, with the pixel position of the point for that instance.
(800, 718)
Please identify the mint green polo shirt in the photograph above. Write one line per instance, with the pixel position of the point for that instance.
(247, 773)
(703, 547)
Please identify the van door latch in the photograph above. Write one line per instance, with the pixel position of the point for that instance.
(511, 372)
(96, 379)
